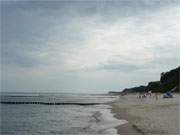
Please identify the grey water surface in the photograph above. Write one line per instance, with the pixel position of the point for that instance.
(38, 119)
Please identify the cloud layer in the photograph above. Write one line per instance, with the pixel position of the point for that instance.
(87, 46)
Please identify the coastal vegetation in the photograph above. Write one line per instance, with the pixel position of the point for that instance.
(168, 81)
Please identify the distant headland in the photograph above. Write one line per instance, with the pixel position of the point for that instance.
(168, 81)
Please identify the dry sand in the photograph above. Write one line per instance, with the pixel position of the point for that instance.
(148, 116)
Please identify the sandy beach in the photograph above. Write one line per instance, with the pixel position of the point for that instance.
(148, 116)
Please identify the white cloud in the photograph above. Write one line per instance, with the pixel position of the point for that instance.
(130, 40)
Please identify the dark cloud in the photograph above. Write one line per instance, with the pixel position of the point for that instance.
(20, 55)
(119, 66)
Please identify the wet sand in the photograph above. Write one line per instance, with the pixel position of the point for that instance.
(148, 116)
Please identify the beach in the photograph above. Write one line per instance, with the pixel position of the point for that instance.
(148, 116)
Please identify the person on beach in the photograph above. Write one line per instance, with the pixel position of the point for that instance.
(149, 93)
(156, 96)
(141, 96)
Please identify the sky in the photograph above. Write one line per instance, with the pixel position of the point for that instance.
(87, 46)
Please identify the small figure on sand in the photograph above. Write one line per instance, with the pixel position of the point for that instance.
(149, 93)
(156, 96)
(141, 96)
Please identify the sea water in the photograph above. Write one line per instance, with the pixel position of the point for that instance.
(71, 119)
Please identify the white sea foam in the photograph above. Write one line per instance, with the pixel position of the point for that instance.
(105, 121)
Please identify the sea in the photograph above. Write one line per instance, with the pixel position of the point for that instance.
(57, 114)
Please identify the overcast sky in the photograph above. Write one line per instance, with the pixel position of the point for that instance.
(94, 46)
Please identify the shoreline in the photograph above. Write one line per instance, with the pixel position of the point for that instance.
(128, 128)
(147, 116)
(121, 114)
